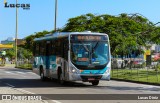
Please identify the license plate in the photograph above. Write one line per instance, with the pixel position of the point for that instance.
(91, 78)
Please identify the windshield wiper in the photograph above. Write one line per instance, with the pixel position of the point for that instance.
(94, 48)
(84, 46)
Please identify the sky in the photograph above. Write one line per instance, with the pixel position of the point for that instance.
(40, 16)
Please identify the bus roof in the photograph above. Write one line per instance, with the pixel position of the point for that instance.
(65, 34)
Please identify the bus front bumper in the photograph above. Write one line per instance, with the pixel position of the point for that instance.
(88, 77)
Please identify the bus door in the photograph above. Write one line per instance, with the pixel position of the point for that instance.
(47, 54)
(64, 55)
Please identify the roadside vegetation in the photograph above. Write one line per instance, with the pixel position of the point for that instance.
(127, 32)
(25, 66)
(137, 75)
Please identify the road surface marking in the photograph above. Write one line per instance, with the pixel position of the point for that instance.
(31, 73)
(56, 101)
(10, 85)
(10, 72)
(27, 92)
(20, 72)
(24, 91)
(14, 73)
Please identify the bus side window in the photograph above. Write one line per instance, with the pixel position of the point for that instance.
(36, 49)
(57, 48)
(53, 47)
(65, 48)
(42, 48)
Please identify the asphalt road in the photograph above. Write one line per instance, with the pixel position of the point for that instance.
(30, 83)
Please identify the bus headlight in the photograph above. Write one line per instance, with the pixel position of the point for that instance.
(107, 71)
(74, 70)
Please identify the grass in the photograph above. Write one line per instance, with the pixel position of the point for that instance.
(2, 65)
(139, 75)
(25, 66)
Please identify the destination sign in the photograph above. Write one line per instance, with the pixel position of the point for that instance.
(89, 37)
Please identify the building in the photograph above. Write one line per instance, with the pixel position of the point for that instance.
(11, 40)
(157, 48)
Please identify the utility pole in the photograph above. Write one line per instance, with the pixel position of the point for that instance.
(16, 34)
(55, 18)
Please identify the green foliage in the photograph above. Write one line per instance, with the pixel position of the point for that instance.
(155, 37)
(21, 53)
(25, 66)
(10, 53)
(29, 39)
(24, 53)
(125, 31)
(139, 75)
(157, 67)
(2, 65)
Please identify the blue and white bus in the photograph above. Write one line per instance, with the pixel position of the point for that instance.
(73, 56)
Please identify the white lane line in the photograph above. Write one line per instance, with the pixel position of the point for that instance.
(14, 73)
(10, 85)
(24, 91)
(10, 72)
(56, 101)
(150, 87)
(20, 72)
(30, 73)
(27, 92)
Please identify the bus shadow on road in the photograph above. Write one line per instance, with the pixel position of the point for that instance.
(37, 83)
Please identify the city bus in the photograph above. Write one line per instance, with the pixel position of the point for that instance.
(73, 56)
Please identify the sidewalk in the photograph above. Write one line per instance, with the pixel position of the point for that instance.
(13, 91)
(8, 66)
(7, 89)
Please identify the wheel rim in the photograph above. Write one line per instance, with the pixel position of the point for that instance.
(61, 80)
(41, 75)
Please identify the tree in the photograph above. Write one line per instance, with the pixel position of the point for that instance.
(10, 53)
(29, 39)
(24, 53)
(155, 35)
(125, 31)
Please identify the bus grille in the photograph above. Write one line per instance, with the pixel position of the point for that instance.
(86, 78)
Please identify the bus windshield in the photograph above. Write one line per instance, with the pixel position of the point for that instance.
(90, 54)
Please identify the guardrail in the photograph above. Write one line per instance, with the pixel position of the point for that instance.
(137, 72)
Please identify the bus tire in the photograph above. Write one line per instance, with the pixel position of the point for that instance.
(95, 82)
(43, 78)
(60, 78)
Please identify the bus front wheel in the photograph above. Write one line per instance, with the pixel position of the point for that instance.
(95, 82)
(60, 77)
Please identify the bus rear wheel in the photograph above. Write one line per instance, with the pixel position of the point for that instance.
(43, 78)
(95, 82)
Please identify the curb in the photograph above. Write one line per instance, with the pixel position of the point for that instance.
(138, 82)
